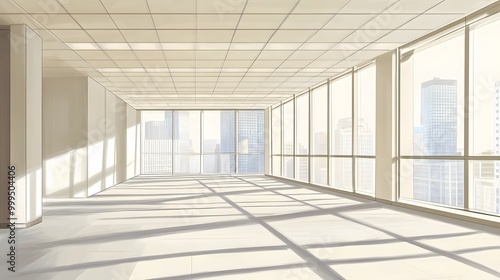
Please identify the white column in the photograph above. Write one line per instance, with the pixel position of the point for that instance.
(385, 182)
(26, 122)
(4, 123)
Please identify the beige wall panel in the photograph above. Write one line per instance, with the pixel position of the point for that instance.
(4, 121)
(65, 137)
(96, 135)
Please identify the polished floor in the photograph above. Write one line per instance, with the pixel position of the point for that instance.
(245, 227)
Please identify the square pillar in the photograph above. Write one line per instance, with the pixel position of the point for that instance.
(26, 123)
(385, 168)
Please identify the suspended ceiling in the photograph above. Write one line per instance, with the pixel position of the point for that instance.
(242, 54)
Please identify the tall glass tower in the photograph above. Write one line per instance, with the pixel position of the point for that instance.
(438, 181)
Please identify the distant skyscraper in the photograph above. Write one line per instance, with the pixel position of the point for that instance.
(438, 181)
(251, 141)
(439, 117)
(418, 141)
(225, 163)
(343, 146)
(157, 148)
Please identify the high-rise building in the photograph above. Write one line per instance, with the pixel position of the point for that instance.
(439, 117)
(225, 159)
(157, 146)
(250, 139)
(438, 181)
(343, 146)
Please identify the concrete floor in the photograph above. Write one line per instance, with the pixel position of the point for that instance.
(245, 227)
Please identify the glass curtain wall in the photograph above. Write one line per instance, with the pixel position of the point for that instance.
(192, 142)
(315, 144)
(450, 92)
(448, 122)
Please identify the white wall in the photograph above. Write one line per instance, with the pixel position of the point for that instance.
(96, 134)
(4, 121)
(133, 124)
(110, 141)
(64, 137)
(120, 111)
(87, 145)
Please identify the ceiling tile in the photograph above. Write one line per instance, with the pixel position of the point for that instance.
(382, 46)
(348, 46)
(412, 6)
(95, 21)
(121, 54)
(252, 21)
(366, 35)
(180, 63)
(250, 36)
(176, 36)
(459, 6)
(270, 6)
(221, 8)
(41, 7)
(388, 21)
(216, 22)
(150, 55)
(171, 6)
(238, 55)
(275, 54)
(365, 55)
(102, 63)
(72, 36)
(330, 35)
(369, 7)
(126, 7)
(174, 21)
(133, 21)
(402, 36)
(209, 63)
(237, 63)
(292, 35)
(305, 55)
(348, 21)
(8, 6)
(210, 55)
(93, 55)
(47, 45)
(128, 63)
(107, 36)
(430, 21)
(214, 35)
(320, 6)
(47, 36)
(59, 22)
(87, 6)
(179, 54)
(140, 36)
(305, 21)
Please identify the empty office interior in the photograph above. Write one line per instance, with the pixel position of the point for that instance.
(250, 139)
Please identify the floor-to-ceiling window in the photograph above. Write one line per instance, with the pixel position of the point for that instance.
(432, 121)
(312, 133)
(446, 124)
(365, 129)
(208, 141)
(341, 161)
(319, 135)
